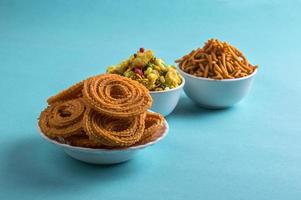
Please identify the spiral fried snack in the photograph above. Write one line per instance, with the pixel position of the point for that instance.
(83, 141)
(72, 92)
(112, 131)
(62, 119)
(116, 96)
(216, 60)
(154, 127)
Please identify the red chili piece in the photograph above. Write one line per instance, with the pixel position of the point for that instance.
(141, 50)
(138, 71)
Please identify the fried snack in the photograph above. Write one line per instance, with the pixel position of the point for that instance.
(112, 131)
(116, 96)
(105, 111)
(72, 92)
(155, 134)
(83, 141)
(148, 70)
(153, 122)
(62, 119)
(216, 60)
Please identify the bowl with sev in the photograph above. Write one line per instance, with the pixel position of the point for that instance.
(217, 75)
(104, 119)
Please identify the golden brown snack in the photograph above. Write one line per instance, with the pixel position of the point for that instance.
(117, 96)
(154, 134)
(62, 119)
(72, 92)
(105, 111)
(216, 60)
(83, 141)
(153, 122)
(112, 131)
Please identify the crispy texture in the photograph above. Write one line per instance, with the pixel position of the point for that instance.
(216, 60)
(83, 141)
(116, 96)
(153, 121)
(105, 111)
(62, 119)
(73, 92)
(155, 134)
(154, 128)
(112, 131)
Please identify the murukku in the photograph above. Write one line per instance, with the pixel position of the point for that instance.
(155, 134)
(216, 60)
(105, 111)
(112, 131)
(153, 122)
(62, 119)
(72, 92)
(116, 96)
(83, 140)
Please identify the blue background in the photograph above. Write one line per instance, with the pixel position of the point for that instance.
(251, 151)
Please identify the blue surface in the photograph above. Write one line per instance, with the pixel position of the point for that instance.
(251, 151)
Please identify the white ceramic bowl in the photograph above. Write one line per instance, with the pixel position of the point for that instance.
(217, 94)
(104, 156)
(164, 102)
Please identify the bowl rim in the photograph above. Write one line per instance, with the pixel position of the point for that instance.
(170, 90)
(217, 80)
(95, 150)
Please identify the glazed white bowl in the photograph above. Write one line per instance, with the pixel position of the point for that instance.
(217, 94)
(164, 102)
(104, 156)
